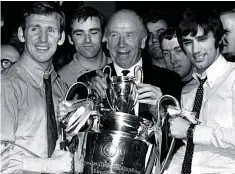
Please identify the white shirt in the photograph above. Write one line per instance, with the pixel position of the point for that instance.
(214, 138)
(119, 70)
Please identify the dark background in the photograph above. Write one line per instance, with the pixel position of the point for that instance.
(11, 12)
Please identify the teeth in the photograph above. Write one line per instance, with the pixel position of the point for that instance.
(42, 48)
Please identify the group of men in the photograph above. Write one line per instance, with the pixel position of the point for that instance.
(193, 51)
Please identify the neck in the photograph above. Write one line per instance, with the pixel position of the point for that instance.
(91, 63)
(159, 62)
(45, 65)
(188, 77)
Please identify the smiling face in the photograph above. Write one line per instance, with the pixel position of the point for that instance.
(86, 36)
(200, 49)
(41, 36)
(155, 29)
(228, 20)
(175, 58)
(125, 39)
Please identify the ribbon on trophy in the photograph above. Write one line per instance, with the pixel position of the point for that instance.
(188, 115)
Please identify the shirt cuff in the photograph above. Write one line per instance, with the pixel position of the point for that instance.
(36, 164)
(202, 135)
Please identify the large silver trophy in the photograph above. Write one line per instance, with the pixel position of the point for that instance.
(116, 141)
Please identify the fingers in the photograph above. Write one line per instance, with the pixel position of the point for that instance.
(148, 94)
(99, 83)
(62, 109)
(143, 88)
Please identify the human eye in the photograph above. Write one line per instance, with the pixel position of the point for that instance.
(78, 33)
(165, 53)
(226, 32)
(34, 28)
(94, 32)
(113, 34)
(187, 42)
(6, 63)
(202, 38)
(51, 30)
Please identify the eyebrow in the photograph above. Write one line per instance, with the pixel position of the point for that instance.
(80, 30)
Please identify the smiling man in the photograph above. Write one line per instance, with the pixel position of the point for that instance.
(86, 32)
(210, 95)
(174, 55)
(26, 123)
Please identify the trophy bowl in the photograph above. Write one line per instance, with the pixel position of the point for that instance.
(120, 143)
(122, 93)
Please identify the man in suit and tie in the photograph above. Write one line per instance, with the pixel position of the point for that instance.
(125, 35)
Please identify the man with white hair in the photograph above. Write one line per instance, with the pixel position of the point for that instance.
(228, 21)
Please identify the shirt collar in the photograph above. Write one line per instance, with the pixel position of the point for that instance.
(213, 72)
(131, 69)
(36, 71)
(105, 60)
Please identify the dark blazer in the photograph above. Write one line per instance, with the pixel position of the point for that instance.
(168, 81)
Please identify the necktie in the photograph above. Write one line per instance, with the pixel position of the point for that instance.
(125, 72)
(52, 135)
(186, 167)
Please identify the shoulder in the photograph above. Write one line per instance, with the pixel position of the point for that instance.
(163, 74)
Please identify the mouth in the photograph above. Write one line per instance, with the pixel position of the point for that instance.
(42, 48)
(176, 67)
(199, 58)
(123, 53)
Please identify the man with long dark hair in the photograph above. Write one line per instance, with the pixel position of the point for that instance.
(210, 95)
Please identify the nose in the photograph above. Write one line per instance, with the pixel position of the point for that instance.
(87, 38)
(155, 38)
(122, 42)
(43, 36)
(173, 58)
(196, 47)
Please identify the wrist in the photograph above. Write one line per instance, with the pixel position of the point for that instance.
(190, 131)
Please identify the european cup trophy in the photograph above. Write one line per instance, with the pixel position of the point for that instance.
(116, 141)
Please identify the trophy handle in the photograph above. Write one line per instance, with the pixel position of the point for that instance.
(109, 72)
(138, 73)
(110, 79)
(159, 121)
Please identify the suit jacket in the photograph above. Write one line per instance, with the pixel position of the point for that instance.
(168, 81)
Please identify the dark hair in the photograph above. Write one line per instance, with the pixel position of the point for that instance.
(155, 15)
(169, 34)
(207, 19)
(43, 8)
(85, 12)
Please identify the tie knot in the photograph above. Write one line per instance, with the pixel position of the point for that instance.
(47, 78)
(125, 72)
(202, 81)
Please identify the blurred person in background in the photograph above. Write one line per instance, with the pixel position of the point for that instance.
(228, 20)
(156, 22)
(9, 55)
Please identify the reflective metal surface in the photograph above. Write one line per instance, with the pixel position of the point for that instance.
(119, 143)
(122, 93)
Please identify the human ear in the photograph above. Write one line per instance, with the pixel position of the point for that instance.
(61, 41)
(70, 40)
(21, 34)
(143, 42)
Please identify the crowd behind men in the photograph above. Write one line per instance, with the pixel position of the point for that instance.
(180, 56)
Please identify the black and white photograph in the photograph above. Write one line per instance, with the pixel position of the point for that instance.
(117, 87)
